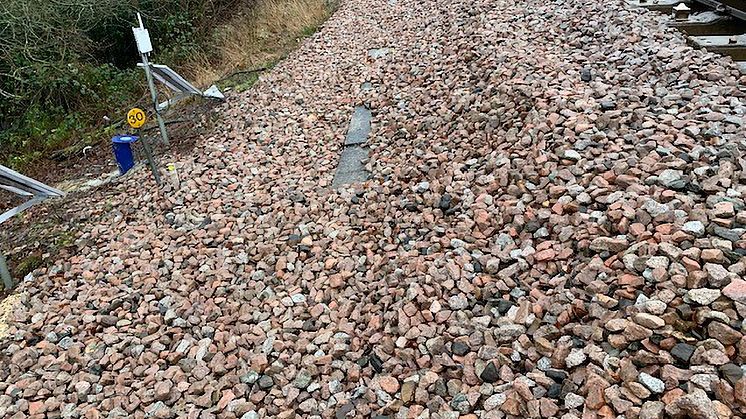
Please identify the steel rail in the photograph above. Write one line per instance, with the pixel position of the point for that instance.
(720, 6)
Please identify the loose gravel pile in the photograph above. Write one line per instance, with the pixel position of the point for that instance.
(554, 227)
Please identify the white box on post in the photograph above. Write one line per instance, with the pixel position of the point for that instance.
(142, 37)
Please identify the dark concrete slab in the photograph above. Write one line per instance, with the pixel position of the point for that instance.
(359, 126)
(351, 168)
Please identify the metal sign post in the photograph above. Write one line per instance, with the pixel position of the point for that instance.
(5, 274)
(136, 118)
(151, 161)
(31, 190)
(145, 47)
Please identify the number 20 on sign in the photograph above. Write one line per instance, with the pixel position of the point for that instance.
(136, 118)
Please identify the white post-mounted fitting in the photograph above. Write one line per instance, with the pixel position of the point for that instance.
(681, 11)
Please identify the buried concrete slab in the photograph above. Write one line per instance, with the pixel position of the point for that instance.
(359, 126)
(378, 52)
(351, 168)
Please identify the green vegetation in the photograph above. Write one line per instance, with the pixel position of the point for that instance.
(27, 265)
(64, 66)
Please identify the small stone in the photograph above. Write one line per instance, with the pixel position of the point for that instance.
(504, 305)
(308, 405)
(717, 274)
(82, 388)
(407, 391)
(575, 358)
(163, 390)
(493, 266)
(250, 377)
(732, 235)
(343, 410)
(723, 333)
(703, 296)
(655, 208)
(36, 408)
(572, 155)
(724, 210)
(389, 384)
(672, 179)
(608, 244)
(458, 302)
(494, 402)
(265, 382)
(108, 320)
(731, 372)
(634, 332)
(302, 379)
(490, 374)
(435, 346)
(616, 325)
(713, 255)
(422, 187)
(695, 228)
(460, 403)
(652, 410)
(657, 262)
(556, 375)
(608, 105)
(653, 384)
(65, 343)
(573, 401)
(649, 320)
(554, 391)
(656, 307)
(736, 290)
(696, 404)
(460, 348)
(445, 202)
(682, 352)
(293, 240)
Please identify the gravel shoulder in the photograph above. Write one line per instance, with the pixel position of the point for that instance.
(554, 227)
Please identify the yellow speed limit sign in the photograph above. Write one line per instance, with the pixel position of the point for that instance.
(136, 117)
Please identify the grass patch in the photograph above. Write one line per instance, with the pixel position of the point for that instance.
(259, 38)
(27, 265)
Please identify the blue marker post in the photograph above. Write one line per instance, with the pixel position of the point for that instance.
(122, 145)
